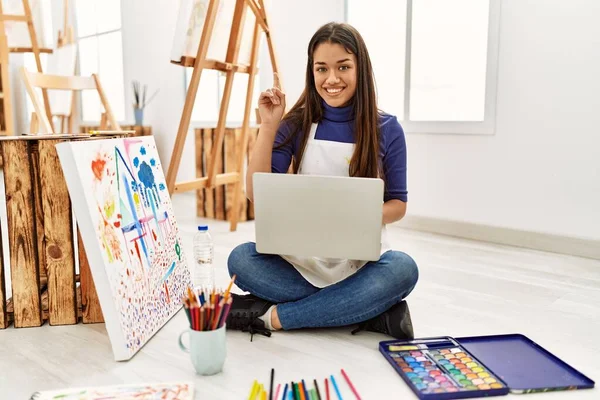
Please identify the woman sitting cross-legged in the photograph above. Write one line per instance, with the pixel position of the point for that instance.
(334, 129)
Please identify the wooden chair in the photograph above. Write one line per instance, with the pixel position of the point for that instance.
(55, 82)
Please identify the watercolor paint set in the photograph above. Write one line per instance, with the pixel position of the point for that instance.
(447, 368)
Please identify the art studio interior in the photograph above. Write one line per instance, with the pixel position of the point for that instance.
(282, 199)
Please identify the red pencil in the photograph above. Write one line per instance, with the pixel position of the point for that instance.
(327, 389)
(217, 317)
(347, 378)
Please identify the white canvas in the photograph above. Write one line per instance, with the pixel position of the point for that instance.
(61, 62)
(190, 23)
(130, 235)
(17, 33)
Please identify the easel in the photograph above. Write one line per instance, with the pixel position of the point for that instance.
(5, 95)
(230, 66)
(66, 37)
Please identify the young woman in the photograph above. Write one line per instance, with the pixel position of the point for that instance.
(335, 128)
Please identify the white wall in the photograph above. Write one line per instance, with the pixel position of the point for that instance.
(541, 170)
(148, 29)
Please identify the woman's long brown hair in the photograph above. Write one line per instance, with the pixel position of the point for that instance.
(309, 108)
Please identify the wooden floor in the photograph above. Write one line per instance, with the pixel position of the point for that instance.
(465, 288)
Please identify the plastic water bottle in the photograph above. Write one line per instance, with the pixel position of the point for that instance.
(204, 272)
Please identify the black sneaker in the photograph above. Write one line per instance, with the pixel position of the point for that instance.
(394, 322)
(244, 314)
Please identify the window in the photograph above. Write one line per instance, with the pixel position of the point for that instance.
(435, 61)
(210, 93)
(101, 52)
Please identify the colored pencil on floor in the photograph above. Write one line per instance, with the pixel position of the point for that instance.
(301, 390)
(271, 384)
(285, 390)
(277, 391)
(305, 388)
(317, 390)
(253, 390)
(347, 378)
(335, 387)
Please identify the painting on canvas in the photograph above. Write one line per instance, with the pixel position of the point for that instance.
(150, 391)
(130, 235)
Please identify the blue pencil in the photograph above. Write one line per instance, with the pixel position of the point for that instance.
(284, 392)
(335, 386)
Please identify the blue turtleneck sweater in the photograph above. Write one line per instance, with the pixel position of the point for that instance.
(338, 125)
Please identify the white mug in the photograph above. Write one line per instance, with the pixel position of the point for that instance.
(207, 350)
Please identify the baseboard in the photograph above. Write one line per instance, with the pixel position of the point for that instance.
(513, 237)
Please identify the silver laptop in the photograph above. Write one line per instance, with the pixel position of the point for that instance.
(318, 216)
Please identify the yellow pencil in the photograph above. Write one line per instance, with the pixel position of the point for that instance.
(229, 287)
(253, 390)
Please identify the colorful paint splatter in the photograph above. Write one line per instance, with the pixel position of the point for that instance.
(135, 228)
(154, 391)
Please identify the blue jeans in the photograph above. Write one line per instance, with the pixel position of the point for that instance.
(370, 291)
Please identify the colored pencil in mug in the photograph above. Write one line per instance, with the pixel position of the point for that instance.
(285, 390)
(327, 389)
(187, 312)
(230, 285)
(215, 319)
(225, 312)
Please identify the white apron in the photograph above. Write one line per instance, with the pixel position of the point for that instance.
(329, 158)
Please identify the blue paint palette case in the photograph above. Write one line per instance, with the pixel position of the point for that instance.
(447, 368)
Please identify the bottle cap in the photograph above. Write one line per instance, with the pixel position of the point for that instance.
(203, 227)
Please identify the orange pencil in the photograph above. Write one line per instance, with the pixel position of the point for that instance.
(191, 296)
(301, 390)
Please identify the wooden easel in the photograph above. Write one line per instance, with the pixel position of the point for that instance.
(66, 37)
(230, 66)
(5, 96)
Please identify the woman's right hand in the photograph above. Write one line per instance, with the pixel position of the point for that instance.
(271, 104)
